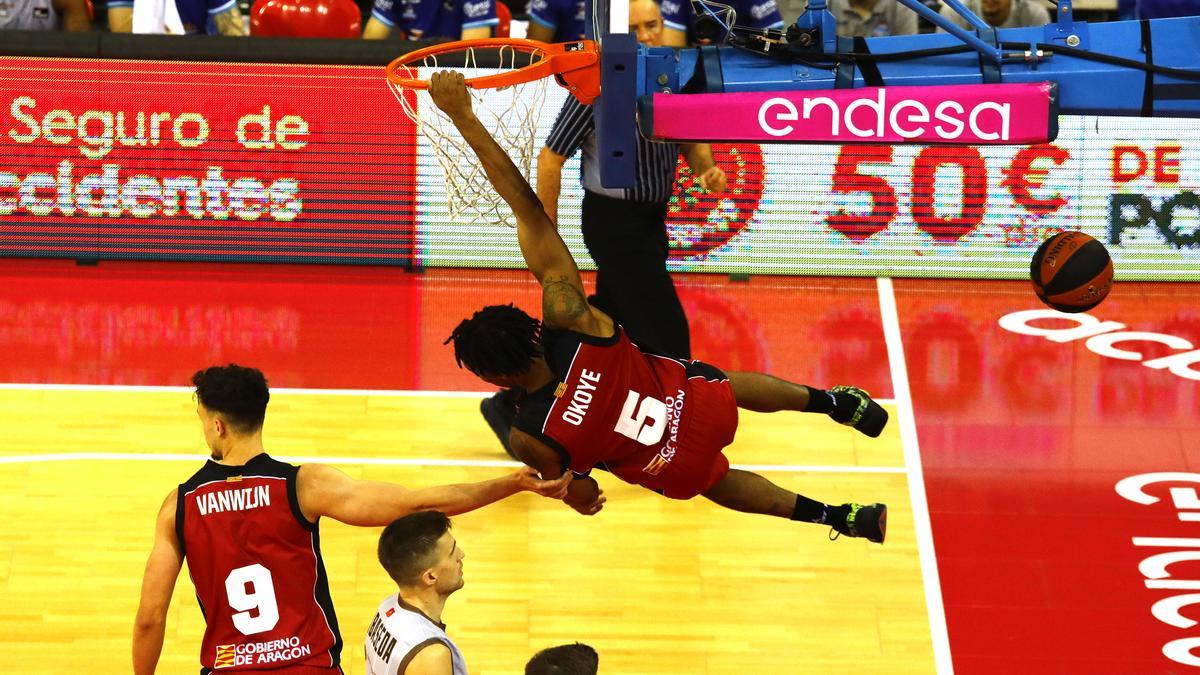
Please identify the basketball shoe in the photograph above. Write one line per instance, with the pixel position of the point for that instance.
(868, 521)
(500, 411)
(856, 409)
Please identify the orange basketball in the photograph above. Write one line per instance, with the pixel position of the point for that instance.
(1071, 272)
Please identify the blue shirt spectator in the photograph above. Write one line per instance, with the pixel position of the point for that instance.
(678, 17)
(199, 17)
(1162, 9)
(433, 19)
(872, 18)
(1002, 13)
(195, 14)
(557, 20)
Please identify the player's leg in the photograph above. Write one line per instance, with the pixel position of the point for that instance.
(500, 411)
(628, 242)
(751, 493)
(846, 405)
(699, 466)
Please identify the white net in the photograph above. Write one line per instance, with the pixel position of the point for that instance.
(510, 113)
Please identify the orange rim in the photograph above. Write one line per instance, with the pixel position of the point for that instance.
(576, 63)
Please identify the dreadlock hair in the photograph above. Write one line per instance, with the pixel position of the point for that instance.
(497, 340)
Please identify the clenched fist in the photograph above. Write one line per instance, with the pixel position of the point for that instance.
(449, 92)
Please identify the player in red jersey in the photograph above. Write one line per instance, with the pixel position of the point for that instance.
(592, 398)
(248, 526)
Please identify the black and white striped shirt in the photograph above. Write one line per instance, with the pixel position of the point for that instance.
(575, 129)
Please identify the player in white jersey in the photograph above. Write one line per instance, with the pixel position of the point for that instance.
(407, 636)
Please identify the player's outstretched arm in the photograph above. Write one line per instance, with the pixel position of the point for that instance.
(584, 493)
(326, 491)
(564, 303)
(158, 582)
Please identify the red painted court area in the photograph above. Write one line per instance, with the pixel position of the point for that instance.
(379, 328)
(1044, 567)
(1023, 440)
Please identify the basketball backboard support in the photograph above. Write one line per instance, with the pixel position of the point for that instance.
(1124, 68)
(615, 109)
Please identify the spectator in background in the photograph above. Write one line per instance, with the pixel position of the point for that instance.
(1162, 9)
(557, 20)
(576, 659)
(790, 10)
(176, 17)
(1002, 13)
(432, 19)
(69, 15)
(872, 18)
(860, 18)
(679, 18)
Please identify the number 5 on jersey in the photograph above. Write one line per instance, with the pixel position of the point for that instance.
(649, 422)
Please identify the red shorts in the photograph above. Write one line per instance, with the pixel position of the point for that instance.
(708, 424)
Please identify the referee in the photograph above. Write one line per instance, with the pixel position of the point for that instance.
(625, 230)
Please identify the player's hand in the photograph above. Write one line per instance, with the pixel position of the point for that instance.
(713, 180)
(529, 480)
(588, 506)
(592, 508)
(448, 89)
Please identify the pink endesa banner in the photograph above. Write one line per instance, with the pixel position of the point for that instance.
(962, 114)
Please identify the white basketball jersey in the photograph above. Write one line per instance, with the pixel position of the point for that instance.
(396, 634)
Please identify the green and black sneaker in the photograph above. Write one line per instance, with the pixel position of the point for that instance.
(868, 521)
(856, 409)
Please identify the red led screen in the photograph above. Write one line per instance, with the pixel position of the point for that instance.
(170, 160)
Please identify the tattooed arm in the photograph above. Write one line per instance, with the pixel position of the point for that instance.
(564, 303)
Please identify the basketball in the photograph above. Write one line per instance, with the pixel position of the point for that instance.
(1071, 272)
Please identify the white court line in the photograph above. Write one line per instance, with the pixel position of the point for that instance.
(400, 461)
(417, 393)
(916, 478)
(397, 393)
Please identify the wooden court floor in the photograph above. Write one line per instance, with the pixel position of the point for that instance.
(655, 586)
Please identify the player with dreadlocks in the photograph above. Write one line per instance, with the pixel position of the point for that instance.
(592, 398)
(501, 336)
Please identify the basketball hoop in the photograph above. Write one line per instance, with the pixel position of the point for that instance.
(510, 111)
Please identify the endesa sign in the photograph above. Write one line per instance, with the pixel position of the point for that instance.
(170, 160)
(976, 114)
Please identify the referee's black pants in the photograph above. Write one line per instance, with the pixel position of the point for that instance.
(628, 242)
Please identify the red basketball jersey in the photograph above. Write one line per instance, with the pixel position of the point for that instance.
(619, 406)
(256, 564)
